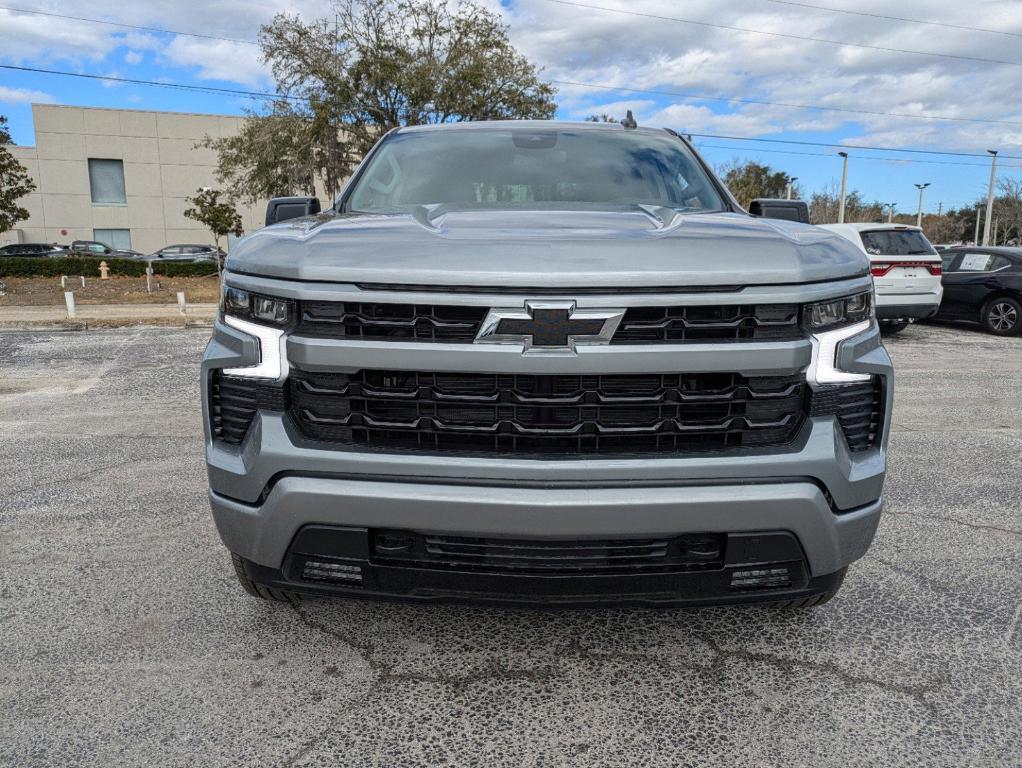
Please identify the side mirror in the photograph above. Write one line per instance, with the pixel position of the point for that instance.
(790, 210)
(283, 208)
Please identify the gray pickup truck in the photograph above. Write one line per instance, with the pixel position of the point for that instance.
(545, 363)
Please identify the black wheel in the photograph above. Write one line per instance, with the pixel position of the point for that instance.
(889, 329)
(260, 590)
(1002, 316)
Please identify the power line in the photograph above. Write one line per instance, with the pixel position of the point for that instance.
(178, 86)
(127, 26)
(266, 95)
(674, 94)
(895, 18)
(849, 110)
(857, 157)
(787, 35)
(805, 143)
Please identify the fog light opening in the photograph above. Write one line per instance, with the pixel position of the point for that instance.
(761, 578)
(320, 570)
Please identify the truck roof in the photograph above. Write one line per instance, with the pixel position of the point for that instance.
(482, 125)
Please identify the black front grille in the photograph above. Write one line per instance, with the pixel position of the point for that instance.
(389, 322)
(858, 408)
(566, 414)
(405, 549)
(233, 402)
(461, 324)
(740, 322)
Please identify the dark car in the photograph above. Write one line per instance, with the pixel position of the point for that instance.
(983, 285)
(186, 253)
(33, 249)
(96, 248)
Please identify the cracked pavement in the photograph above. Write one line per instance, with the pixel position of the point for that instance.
(127, 641)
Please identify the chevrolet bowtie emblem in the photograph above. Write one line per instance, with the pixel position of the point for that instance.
(555, 326)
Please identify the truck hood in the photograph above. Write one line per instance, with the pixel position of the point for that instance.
(645, 247)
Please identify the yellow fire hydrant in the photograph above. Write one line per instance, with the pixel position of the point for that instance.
(104, 271)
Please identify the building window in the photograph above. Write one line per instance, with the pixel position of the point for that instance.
(115, 238)
(106, 180)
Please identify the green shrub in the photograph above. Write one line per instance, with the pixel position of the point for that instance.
(15, 266)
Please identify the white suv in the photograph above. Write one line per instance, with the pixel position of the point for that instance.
(906, 270)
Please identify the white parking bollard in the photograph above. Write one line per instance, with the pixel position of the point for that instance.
(63, 281)
(181, 301)
(83, 280)
(69, 299)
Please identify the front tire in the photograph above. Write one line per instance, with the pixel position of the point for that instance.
(1002, 316)
(260, 590)
(808, 602)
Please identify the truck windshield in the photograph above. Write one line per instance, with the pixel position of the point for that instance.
(532, 168)
(896, 242)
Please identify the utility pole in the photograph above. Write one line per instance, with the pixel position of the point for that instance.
(791, 181)
(919, 215)
(844, 180)
(940, 209)
(990, 196)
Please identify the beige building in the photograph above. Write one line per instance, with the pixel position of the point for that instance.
(119, 176)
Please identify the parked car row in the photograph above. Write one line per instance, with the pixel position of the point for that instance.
(915, 280)
(181, 252)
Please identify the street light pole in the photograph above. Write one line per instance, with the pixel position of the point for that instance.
(990, 196)
(919, 215)
(890, 212)
(791, 180)
(975, 239)
(844, 179)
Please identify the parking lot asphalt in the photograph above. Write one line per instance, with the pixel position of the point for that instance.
(125, 639)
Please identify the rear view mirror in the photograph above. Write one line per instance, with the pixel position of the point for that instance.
(283, 208)
(790, 210)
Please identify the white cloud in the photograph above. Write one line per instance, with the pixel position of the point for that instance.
(632, 51)
(24, 96)
(219, 60)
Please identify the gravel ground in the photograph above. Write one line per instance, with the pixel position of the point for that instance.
(47, 291)
(126, 640)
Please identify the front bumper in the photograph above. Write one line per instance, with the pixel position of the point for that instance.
(276, 483)
(267, 534)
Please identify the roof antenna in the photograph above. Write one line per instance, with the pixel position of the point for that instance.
(629, 122)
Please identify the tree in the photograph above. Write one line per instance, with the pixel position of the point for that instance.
(15, 182)
(603, 117)
(824, 206)
(750, 180)
(219, 216)
(1008, 210)
(377, 64)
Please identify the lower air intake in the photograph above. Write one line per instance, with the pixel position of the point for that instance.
(538, 557)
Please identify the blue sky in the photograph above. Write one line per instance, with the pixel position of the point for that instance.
(654, 45)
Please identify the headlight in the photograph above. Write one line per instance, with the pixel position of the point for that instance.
(830, 323)
(834, 313)
(255, 307)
